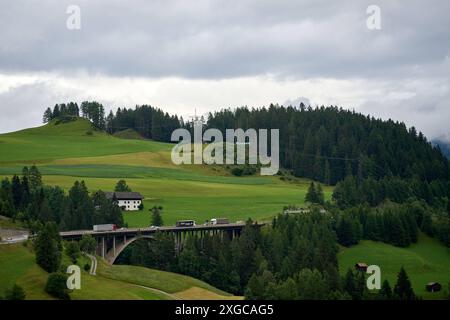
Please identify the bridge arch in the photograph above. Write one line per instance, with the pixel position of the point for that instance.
(113, 253)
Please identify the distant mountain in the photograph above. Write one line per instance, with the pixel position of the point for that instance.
(445, 147)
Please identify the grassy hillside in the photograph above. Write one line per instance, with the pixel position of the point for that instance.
(72, 151)
(128, 134)
(17, 265)
(72, 139)
(426, 261)
(161, 280)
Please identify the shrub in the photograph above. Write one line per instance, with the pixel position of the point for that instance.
(237, 171)
(56, 286)
(16, 293)
(73, 250)
(87, 267)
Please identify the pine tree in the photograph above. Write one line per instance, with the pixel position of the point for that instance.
(16, 189)
(48, 248)
(319, 194)
(385, 292)
(48, 116)
(122, 186)
(349, 284)
(156, 216)
(45, 212)
(311, 195)
(403, 289)
(254, 289)
(35, 177)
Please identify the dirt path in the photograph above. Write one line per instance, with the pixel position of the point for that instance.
(171, 296)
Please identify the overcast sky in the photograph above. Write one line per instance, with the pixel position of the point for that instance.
(203, 55)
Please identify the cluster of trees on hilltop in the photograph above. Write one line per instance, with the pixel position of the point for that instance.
(93, 111)
(150, 122)
(27, 199)
(70, 109)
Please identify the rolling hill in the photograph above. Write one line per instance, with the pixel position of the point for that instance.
(426, 261)
(17, 265)
(66, 152)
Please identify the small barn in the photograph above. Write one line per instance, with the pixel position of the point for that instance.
(361, 266)
(433, 287)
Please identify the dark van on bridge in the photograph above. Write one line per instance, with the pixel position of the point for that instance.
(185, 223)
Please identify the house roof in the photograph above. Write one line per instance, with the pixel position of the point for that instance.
(124, 195)
(361, 265)
(433, 283)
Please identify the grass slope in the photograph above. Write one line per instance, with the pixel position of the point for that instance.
(161, 280)
(128, 134)
(65, 153)
(56, 141)
(426, 261)
(17, 265)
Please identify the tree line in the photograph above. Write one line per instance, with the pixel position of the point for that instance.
(329, 143)
(27, 199)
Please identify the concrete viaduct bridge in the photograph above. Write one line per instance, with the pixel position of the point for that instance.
(111, 243)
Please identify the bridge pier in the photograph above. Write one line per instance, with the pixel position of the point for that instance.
(103, 247)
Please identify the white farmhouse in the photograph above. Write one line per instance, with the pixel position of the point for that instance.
(129, 201)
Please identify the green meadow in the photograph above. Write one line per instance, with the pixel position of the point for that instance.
(425, 261)
(17, 265)
(73, 151)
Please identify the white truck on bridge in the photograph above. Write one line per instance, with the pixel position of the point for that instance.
(104, 227)
(215, 221)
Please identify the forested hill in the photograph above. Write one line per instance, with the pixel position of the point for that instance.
(328, 144)
(325, 144)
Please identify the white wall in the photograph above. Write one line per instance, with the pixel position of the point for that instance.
(130, 205)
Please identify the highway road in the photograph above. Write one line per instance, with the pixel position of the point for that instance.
(9, 236)
(150, 230)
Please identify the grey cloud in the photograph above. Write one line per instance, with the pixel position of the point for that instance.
(428, 110)
(225, 39)
(22, 106)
